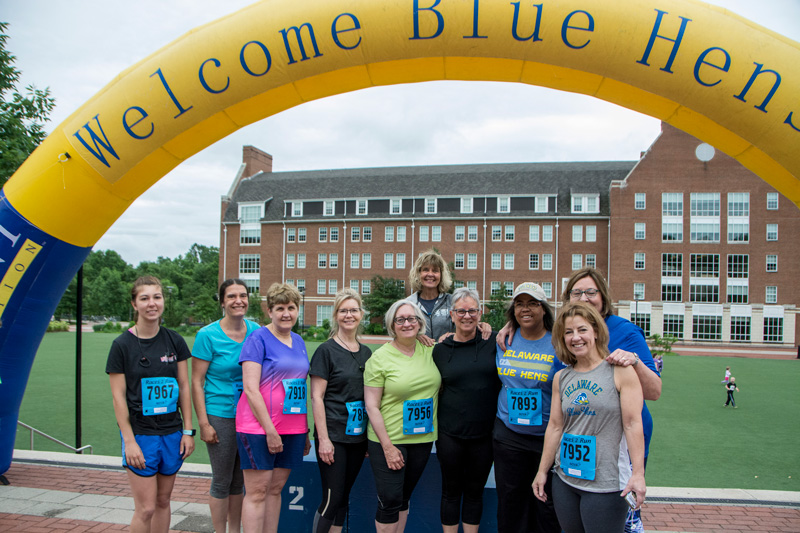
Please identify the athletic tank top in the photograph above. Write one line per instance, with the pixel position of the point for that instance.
(591, 408)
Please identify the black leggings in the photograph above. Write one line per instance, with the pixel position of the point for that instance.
(580, 511)
(394, 487)
(338, 478)
(465, 464)
(730, 399)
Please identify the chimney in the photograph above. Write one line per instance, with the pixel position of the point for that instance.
(255, 161)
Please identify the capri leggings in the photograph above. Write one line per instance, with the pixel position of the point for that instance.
(394, 487)
(580, 511)
(465, 465)
(226, 474)
(338, 478)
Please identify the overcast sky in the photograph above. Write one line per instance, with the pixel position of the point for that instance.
(76, 47)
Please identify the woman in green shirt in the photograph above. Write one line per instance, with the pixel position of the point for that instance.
(401, 388)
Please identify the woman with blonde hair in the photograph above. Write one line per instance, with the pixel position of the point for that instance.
(595, 435)
(340, 418)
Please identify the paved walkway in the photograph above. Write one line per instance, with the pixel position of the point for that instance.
(76, 493)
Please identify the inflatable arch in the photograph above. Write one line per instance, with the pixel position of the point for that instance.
(700, 68)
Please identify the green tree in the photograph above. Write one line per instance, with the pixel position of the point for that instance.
(495, 311)
(22, 116)
(385, 292)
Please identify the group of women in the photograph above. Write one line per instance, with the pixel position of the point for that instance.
(548, 398)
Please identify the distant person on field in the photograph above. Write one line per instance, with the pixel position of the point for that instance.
(731, 387)
(727, 375)
(659, 363)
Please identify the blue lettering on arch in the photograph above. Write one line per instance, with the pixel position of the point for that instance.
(439, 20)
(97, 141)
(566, 26)
(534, 37)
(299, 37)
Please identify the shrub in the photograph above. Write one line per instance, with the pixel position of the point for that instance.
(58, 325)
(663, 345)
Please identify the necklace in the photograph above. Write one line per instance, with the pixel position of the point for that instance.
(352, 353)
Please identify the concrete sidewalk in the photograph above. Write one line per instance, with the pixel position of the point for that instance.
(67, 492)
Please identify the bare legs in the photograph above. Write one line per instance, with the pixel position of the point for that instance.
(151, 502)
(262, 503)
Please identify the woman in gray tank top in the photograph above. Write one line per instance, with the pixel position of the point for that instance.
(594, 436)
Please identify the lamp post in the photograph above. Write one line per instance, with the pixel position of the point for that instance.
(636, 298)
(303, 317)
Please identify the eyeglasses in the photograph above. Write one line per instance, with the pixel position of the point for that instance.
(577, 293)
(354, 311)
(400, 320)
(464, 312)
(533, 304)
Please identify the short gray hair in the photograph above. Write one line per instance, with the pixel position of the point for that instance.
(465, 292)
(392, 313)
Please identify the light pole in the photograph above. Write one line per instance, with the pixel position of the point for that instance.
(303, 316)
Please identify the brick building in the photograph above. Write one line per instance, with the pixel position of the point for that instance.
(689, 239)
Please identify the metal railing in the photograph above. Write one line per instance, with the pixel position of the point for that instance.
(33, 431)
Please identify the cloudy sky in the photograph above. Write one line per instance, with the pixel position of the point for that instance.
(76, 47)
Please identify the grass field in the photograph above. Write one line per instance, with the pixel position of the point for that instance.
(697, 442)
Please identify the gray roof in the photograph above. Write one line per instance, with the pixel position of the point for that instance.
(443, 181)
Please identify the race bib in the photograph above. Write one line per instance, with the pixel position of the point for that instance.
(294, 402)
(417, 416)
(525, 407)
(356, 418)
(238, 387)
(159, 396)
(579, 456)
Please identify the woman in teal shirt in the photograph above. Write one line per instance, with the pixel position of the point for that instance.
(216, 387)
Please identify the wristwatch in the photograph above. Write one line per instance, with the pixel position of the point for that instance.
(635, 359)
(190, 432)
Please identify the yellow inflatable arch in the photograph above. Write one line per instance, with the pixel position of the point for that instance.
(700, 68)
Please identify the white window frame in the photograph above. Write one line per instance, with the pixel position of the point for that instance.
(431, 206)
(362, 207)
(328, 208)
(297, 209)
(577, 233)
(504, 204)
(640, 201)
(639, 231)
(466, 205)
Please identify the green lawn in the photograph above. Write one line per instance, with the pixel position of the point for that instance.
(697, 442)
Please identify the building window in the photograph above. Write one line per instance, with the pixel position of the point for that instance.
(638, 261)
(704, 232)
(472, 233)
(250, 214)
(671, 204)
(355, 233)
(738, 204)
(290, 261)
(366, 234)
(424, 233)
(640, 200)
(324, 312)
(436, 233)
(460, 233)
(703, 293)
(361, 207)
(740, 329)
(323, 234)
(509, 288)
(333, 261)
(547, 287)
(503, 204)
(354, 284)
(334, 234)
(639, 231)
(738, 232)
(333, 286)
(328, 208)
(704, 265)
(355, 260)
(773, 329)
(585, 203)
(547, 261)
(248, 237)
(673, 325)
(291, 235)
(366, 260)
(533, 233)
(430, 206)
(510, 230)
(472, 261)
(401, 234)
(253, 285)
(772, 232)
(591, 233)
(704, 209)
(577, 233)
(547, 233)
(366, 286)
(395, 208)
(737, 294)
(497, 233)
(301, 235)
(638, 291)
(671, 292)
(322, 286)
(540, 204)
(322, 260)
(496, 261)
(704, 204)
(739, 266)
(495, 288)
(707, 328)
(297, 209)
(577, 261)
(671, 231)
(388, 234)
(508, 262)
(591, 260)
(772, 201)
(388, 261)
(772, 294)
(533, 261)
(643, 321)
(772, 263)
(472, 285)
(249, 263)
(458, 262)
(466, 205)
(301, 260)
(401, 260)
